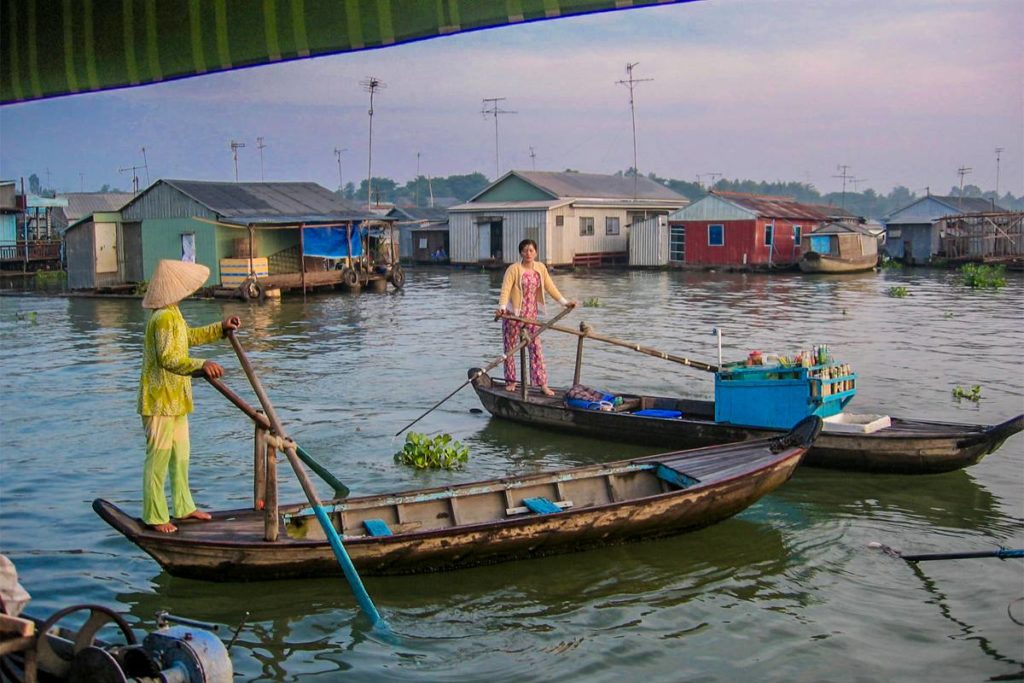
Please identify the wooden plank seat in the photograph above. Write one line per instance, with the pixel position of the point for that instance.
(558, 506)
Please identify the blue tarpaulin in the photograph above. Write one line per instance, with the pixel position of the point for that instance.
(330, 242)
(821, 244)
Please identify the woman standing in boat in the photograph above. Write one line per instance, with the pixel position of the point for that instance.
(165, 389)
(522, 291)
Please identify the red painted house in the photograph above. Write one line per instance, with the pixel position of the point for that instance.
(741, 230)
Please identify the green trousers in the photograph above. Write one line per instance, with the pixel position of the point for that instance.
(167, 448)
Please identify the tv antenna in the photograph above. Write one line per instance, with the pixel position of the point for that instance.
(962, 171)
(371, 85)
(135, 176)
(492, 108)
(533, 158)
(234, 155)
(843, 173)
(999, 151)
(260, 146)
(145, 164)
(631, 82)
(856, 182)
(337, 154)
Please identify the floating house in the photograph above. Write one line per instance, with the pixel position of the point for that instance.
(575, 218)
(423, 233)
(9, 211)
(290, 234)
(102, 253)
(913, 234)
(838, 248)
(737, 230)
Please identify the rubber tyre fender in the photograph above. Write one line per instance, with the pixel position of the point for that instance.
(349, 277)
(397, 276)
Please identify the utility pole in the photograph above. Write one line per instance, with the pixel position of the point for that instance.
(81, 182)
(234, 155)
(631, 82)
(135, 176)
(494, 110)
(371, 85)
(260, 146)
(962, 171)
(337, 153)
(714, 179)
(417, 179)
(145, 164)
(533, 158)
(843, 168)
(999, 151)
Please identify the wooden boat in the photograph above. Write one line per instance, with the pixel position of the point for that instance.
(482, 522)
(906, 447)
(838, 248)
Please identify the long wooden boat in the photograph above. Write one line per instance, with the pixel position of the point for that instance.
(482, 522)
(813, 262)
(906, 447)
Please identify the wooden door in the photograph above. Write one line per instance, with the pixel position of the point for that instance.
(106, 247)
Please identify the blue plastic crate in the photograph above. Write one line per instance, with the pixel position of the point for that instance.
(776, 397)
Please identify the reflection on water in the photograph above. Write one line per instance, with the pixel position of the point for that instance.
(748, 596)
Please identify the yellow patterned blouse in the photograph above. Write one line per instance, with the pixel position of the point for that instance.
(165, 387)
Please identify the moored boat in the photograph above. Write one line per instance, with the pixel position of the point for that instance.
(906, 446)
(482, 522)
(838, 248)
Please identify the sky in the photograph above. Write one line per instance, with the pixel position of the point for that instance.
(900, 93)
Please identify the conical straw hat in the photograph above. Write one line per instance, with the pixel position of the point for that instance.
(173, 281)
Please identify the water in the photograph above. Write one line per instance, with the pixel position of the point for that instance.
(786, 591)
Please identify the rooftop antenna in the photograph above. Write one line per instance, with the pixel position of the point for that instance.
(338, 153)
(843, 168)
(494, 110)
(81, 182)
(856, 182)
(999, 151)
(371, 85)
(533, 158)
(631, 82)
(135, 176)
(962, 171)
(260, 146)
(145, 164)
(417, 178)
(234, 155)
(714, 178)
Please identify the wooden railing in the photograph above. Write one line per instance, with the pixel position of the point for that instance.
(37, 250)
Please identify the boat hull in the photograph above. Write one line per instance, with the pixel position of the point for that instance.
(832, 264)
(908, 447)
(231, 547)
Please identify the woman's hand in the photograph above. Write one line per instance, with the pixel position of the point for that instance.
(500, 313)
(231, 323)
(572, 304)
(212, 370)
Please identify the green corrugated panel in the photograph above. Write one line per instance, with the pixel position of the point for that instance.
(49, 49)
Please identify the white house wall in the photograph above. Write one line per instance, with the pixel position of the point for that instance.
(464, 234)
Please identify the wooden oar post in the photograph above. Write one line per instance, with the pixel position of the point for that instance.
(524, 376)
(584, 330)
(281, 436)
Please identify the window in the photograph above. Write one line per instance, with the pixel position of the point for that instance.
(769, 235)
(716, 235)
(611, 225)
(894, 232)
(677, 243)
(797, 235)
(188, 247)
(586, 225)
(559, 221)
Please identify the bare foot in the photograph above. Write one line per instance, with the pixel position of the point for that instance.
(165, 528)
(511, 387)
(547, 391)
(198, 515)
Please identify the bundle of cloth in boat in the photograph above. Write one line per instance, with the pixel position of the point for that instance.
(580, 396)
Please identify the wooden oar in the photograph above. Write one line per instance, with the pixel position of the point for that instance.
(588, 334)
(340, 490)
(1001, 553)
(362, 597)
(494, 363)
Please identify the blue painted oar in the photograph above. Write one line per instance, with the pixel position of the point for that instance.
(349, 569)
(1001, 553)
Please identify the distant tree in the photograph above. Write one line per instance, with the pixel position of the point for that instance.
(108, 188)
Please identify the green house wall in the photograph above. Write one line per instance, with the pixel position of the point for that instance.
(514, 189)
(161, 239)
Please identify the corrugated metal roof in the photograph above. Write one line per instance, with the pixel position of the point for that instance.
(969, 204)
(82, 204)
(597, 186)
(509, 206)
(773, 207)
(269, 202)
(419, 213)
(833, 211)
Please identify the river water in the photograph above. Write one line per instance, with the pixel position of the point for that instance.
(786, 591)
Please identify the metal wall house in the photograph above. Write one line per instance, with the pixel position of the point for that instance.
(912, 233)
(649, 243)
(102, 252)
(575, 218)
